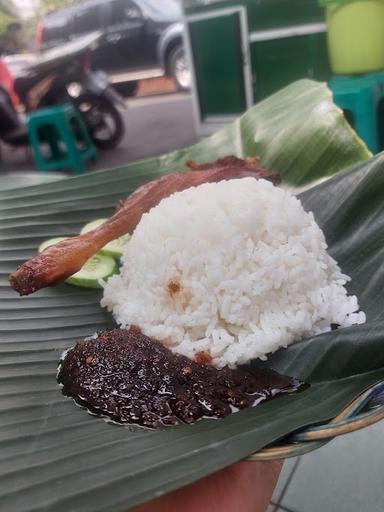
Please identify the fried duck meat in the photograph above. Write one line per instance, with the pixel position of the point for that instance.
(67, 257)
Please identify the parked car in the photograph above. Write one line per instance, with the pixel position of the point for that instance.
(140, 38)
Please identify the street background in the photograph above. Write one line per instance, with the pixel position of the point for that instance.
(153, 125)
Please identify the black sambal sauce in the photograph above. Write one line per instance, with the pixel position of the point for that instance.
(133, 379)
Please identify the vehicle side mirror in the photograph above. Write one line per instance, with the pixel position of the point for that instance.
(133, 13)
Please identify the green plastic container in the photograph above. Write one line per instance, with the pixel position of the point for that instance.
(355, 35)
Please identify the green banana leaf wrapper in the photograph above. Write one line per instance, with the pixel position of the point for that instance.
(54, 456)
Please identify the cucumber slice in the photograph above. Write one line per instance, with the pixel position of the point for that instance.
(114, 248)
(96, 268)
(92, 225)
(48, 243)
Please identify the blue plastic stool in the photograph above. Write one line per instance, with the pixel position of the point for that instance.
(63, 130)
(361, 95)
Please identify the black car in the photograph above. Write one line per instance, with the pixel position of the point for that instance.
(140, 38)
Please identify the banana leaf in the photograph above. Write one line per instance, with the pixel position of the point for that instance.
(56, 457)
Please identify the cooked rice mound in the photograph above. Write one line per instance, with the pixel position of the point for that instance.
(235, 270)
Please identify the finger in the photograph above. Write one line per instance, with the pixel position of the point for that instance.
(242, 487)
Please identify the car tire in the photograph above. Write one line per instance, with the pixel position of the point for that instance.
(178, 68)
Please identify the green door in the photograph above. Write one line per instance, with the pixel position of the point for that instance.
(218, 41)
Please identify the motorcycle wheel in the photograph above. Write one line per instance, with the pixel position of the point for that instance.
(103, 120)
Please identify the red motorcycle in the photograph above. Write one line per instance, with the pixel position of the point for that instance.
(12, 126)
(64, 75)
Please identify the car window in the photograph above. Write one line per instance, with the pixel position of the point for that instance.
(162, 10)
(88, 20)
(56, 29)
(121, 12)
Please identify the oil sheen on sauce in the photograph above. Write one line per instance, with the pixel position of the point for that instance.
(133, 379)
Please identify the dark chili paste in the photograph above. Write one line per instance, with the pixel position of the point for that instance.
(134, 379)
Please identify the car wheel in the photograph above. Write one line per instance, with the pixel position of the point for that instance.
(178, 68)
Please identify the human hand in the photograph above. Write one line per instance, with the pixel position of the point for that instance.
(243, 487)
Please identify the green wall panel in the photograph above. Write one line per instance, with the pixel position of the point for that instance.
(216, 46)
(266, 14)
(274, 63)
(278, 62)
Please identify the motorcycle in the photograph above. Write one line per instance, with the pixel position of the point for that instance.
(64, 75)
(12, 126)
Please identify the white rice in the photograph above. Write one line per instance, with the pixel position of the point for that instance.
(253, 271)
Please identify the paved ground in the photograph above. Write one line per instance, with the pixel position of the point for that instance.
(346, 475)
(154, 125)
